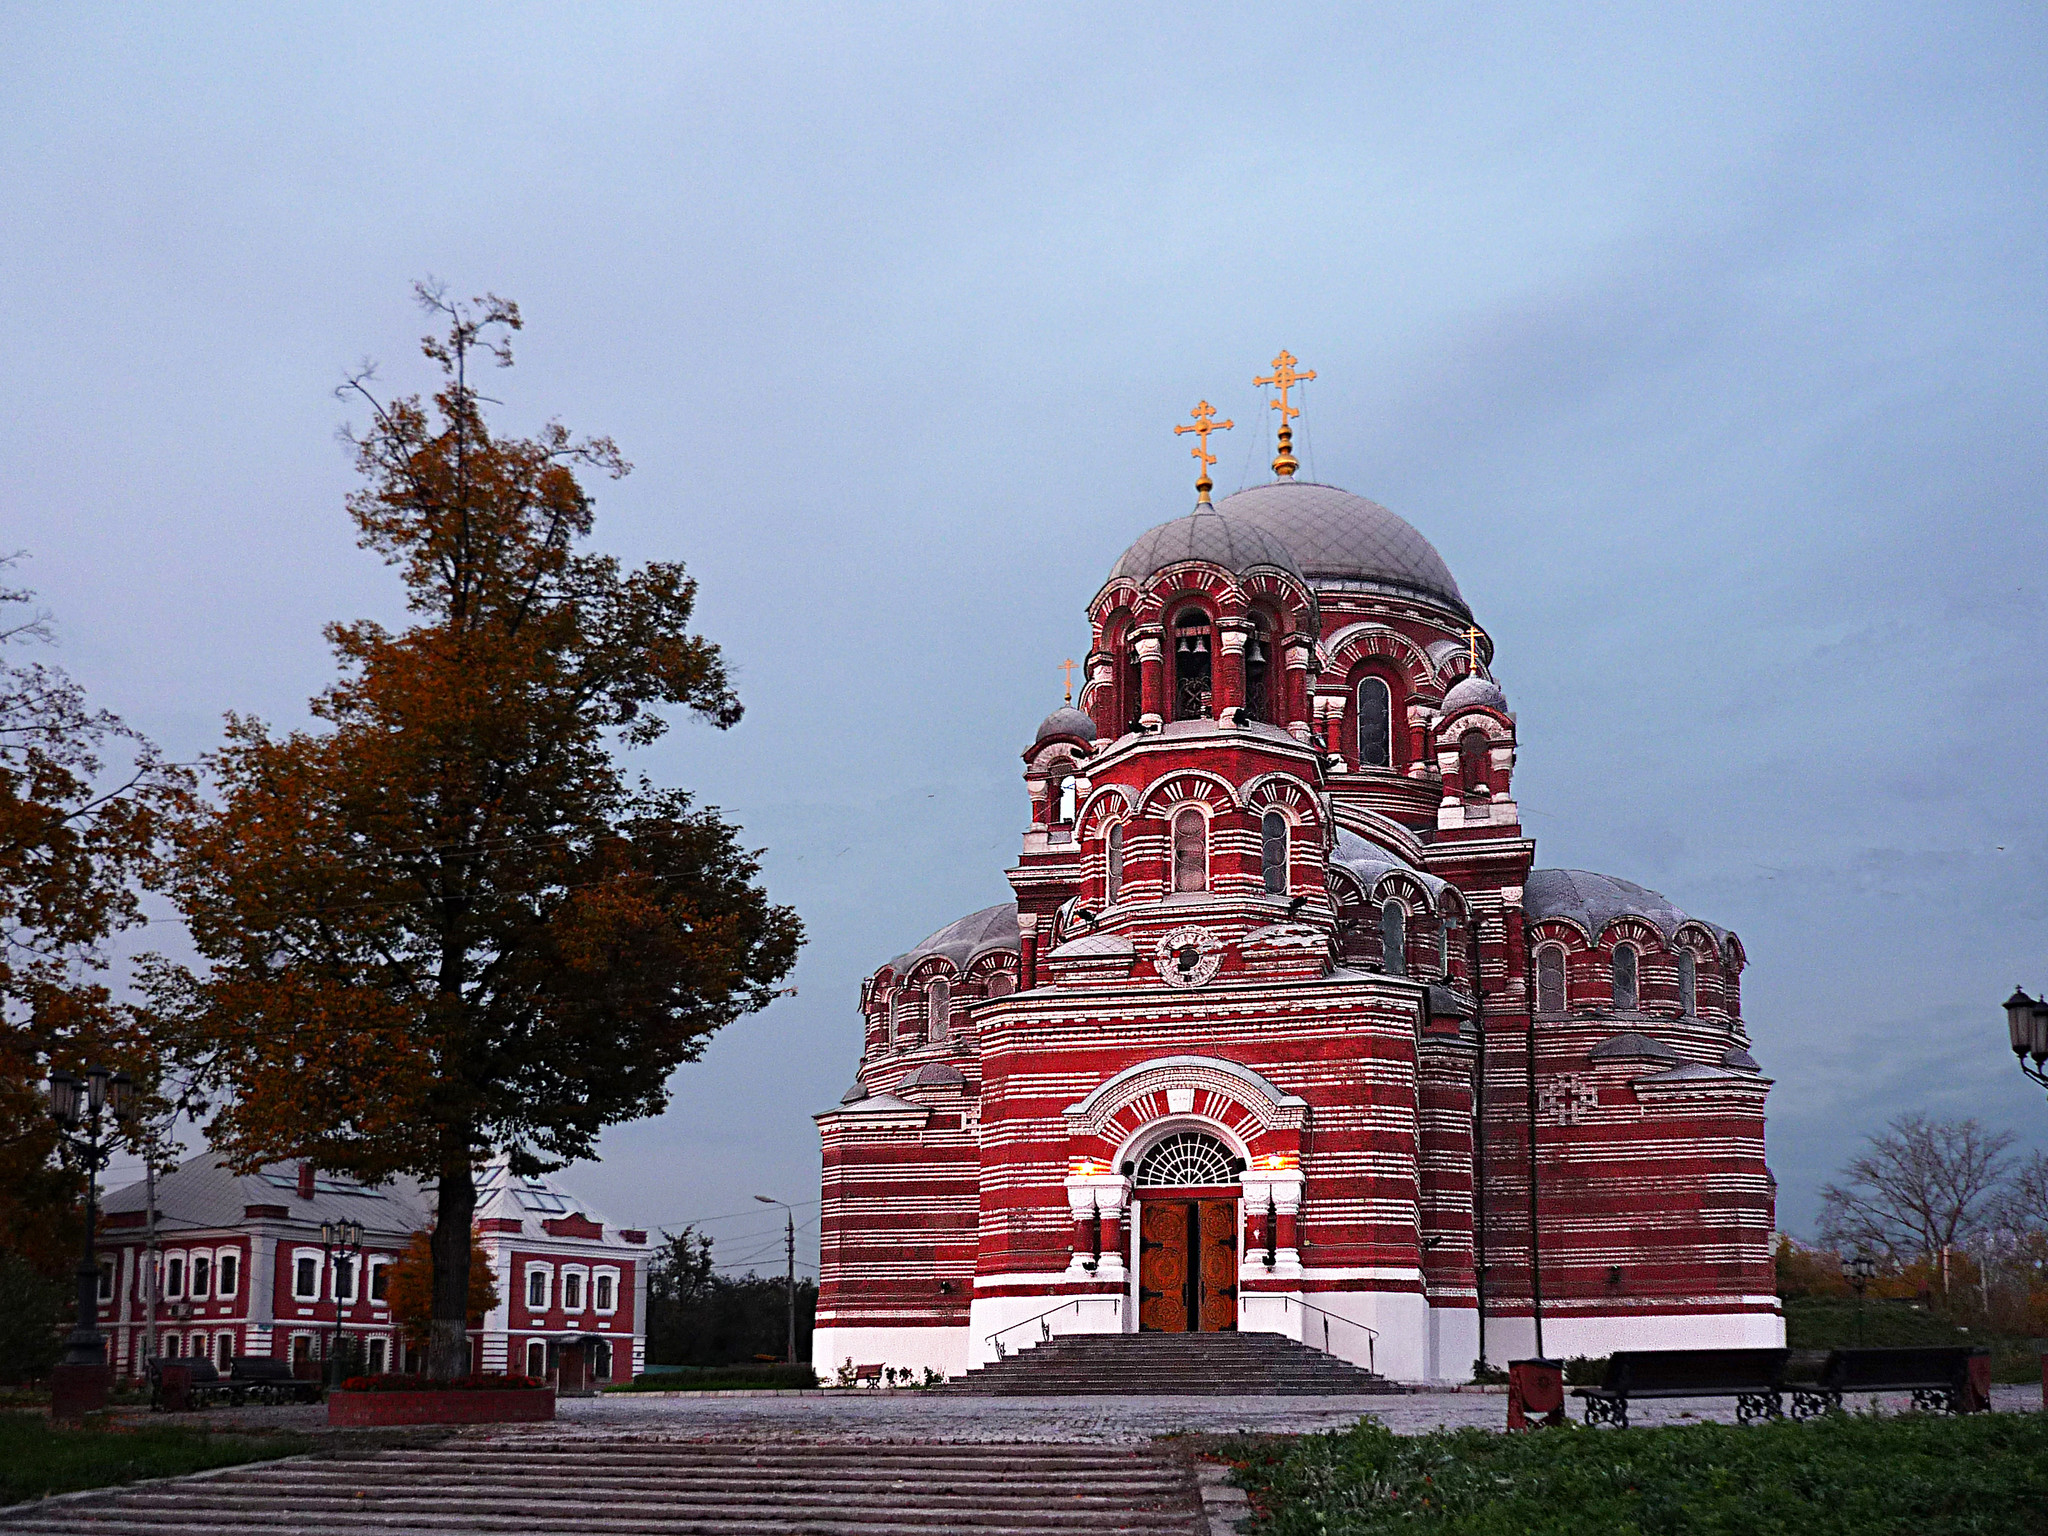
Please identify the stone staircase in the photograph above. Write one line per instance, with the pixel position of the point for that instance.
(540, 1487)
(1169, 1365)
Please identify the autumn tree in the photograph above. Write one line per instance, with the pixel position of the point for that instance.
(1921, 1187)
(444, 922)
(409, 1287)
(84, 806)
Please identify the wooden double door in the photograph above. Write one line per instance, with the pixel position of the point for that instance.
(1187, 1266)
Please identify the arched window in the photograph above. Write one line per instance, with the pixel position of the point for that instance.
(1394, 938)
(1113, 883)
(1443, 948)
(1001, 984)
(1474, 757)
(1625, 978)
(1191, 665)
(938, 1008)
(1185, 1158)
(1273, 852)
(1550, 988)
(1190, 851)
(1688, 984)
(1069, 800)
(1258, 671)
(1375, 724)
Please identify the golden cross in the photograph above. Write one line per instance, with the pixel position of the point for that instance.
(1205, 423)
(1472, 641)
(1067, 667)
(1283, 378)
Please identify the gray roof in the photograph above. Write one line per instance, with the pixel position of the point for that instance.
(1065, 722)
(204, 1194)
(1208, 536)
(1739, 1059)
(1475, 691)
(1632, 1046)
(1336, 536)
(1594, 901)
(1369, 862)
(855, 1094)
(960, 941)
(937, 1074)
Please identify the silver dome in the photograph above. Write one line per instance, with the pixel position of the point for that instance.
(1066, 721)
(1337, 537)
(1204, 535)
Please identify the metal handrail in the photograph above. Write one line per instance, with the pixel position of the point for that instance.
(1044, 1332)
(1372, 1334)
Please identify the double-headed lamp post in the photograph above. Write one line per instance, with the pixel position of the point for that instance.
(2026, 1021)
(1859, 1270)
(79, 1105)
(789, 1256)
(340, 1236)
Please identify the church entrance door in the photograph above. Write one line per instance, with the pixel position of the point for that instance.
(1187, 1266)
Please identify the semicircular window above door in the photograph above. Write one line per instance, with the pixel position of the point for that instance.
(1185, 1159)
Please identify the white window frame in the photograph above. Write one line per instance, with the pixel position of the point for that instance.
(1564, 976)
(1286, 868)
(527, 1363)
(1688, 984)
(300, 1258)
(935, 1027)
(176, 1292)
(1113, 863)
(377, 1265)
(1635, 1004)
(374, 1346)
(227, 1290)
(1200, 811)
(1358, 716)
(1395, 964)
(193, 1289)
(336, 1264)
(604, 1272)
(581, 1274)
(546, 1272)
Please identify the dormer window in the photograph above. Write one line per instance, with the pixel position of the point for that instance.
(1190, 851)
(1394, 938)
(1273, 852)
(1375, 724)
(1688, 984)
(1113, 880)
(1625, 979)
(1191, 665)
(938, 1008)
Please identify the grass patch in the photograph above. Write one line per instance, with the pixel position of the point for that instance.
(721, 1378)
(38, 1458)
(1827, 1322)
(1845, 1475)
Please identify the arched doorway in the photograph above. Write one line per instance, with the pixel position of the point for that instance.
(1186, 1191)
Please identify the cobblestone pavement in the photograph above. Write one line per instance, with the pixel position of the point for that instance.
(918, 1416)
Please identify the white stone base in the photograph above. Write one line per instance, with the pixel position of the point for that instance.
(1009, 1319)
(1566, 1335)
(1384, 1331)
(940, 1349)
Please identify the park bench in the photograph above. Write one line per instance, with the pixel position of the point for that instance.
(1755, 1378)
(867, 1375)
(1947, 1378)
(260, 1379)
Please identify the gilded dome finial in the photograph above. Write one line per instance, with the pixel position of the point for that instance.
(1205, 423)
(1284, 377)
(1067, 667)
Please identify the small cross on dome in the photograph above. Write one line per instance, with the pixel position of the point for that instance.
(1283, 378)
(1205, 423)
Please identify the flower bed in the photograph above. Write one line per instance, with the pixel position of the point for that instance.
(487, 1398)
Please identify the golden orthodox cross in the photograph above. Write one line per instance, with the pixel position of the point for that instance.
(1205, 423)
(1472, 642)
(1283, 378)
(1067, 667)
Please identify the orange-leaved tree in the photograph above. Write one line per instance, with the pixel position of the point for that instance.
(410, 1287)
(446, 923)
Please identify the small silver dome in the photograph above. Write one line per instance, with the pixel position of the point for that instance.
(1475, 692)
(1066, 721)
(1206, 535)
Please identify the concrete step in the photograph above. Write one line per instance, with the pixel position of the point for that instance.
(641, 1488)
(1169, 1365)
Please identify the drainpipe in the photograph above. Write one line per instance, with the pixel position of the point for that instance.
(1535, 1247)
(1479, 1138)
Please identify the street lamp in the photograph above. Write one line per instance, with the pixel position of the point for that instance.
(78, 1104)
(339, 1236)
(789, 1254)
(1858, 1271)
(2026, 1022)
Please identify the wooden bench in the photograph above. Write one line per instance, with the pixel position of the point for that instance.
(1940, 1377)
(867, 1375)
(1755, 1378)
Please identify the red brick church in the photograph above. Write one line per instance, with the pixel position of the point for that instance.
(1283, 1015)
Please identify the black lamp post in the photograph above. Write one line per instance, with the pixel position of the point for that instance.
(79, 1105)
(2026, 1021)
(339, 1237)
(1858, 1271)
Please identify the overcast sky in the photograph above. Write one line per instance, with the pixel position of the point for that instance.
(1706, 343)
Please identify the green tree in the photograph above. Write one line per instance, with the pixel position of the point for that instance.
(447, 923)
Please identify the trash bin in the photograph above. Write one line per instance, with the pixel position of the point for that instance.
(173, 1388)
(1535, 1392)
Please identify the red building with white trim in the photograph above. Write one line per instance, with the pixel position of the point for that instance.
(1252, 1048)
(240, 1270)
